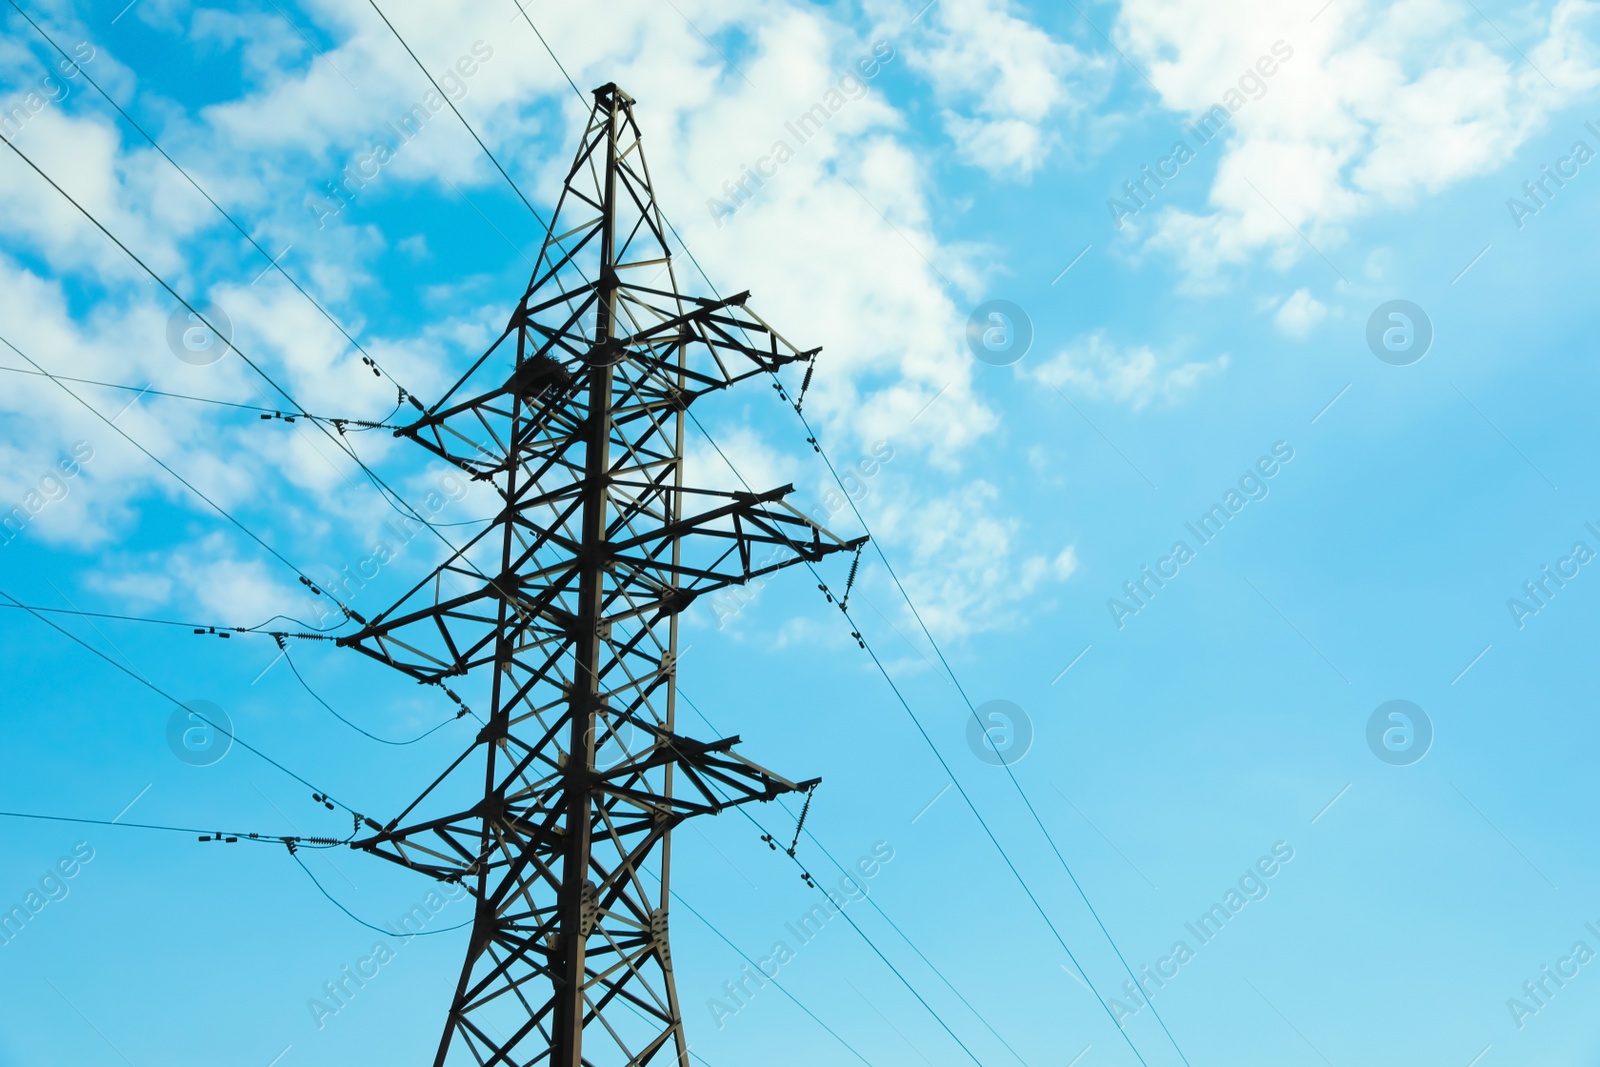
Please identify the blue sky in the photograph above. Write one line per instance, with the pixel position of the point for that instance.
(1218, 321)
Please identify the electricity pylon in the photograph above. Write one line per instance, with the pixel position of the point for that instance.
(558, 818)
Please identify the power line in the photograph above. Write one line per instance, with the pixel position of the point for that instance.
(875, 906)
(568, 1003)
(359, 424)
(515, 188)
(383, 487)
(920, 954)
(274, 262)
(765, 836)
(548, 226)
(226, 631)
(491, 156)
(249, 362)
(327, 798)
(186, 483)
(446, 98)
(774, 981)
(320, 888)
(381, 740)
(559, 65)
(411, 513)
(954, 781)
(199, 628)
(205, 834)
(973, 711)
(875, 949)
(862, 640)
(877, 546)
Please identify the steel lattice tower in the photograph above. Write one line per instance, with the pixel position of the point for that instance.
(558, 818)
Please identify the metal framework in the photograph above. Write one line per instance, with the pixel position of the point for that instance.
(558, 818)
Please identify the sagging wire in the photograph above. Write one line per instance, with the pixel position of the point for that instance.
(409, 934)
(320, 795)
(198, 628)
(462, 713)
(805, 876)
(270, 413)
(204, 835)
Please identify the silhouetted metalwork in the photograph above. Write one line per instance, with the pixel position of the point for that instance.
(559, 817)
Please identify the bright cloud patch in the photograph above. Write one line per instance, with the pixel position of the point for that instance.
(294, 155)
(968, 573)
(1299, 314)
(1134, 376)
(1382, 103)
(1001, 78)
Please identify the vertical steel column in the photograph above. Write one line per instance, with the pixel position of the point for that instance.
(567, 1046)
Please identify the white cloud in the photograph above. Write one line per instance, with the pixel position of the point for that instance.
(966, 571)
(751, 456)
(1135, 376)
(1300, 314)
(1001, 78)
(207, 577)
(1377, 105)
(860, 269)
(861, 273)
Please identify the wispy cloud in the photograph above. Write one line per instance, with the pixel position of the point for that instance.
(1134, 376)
